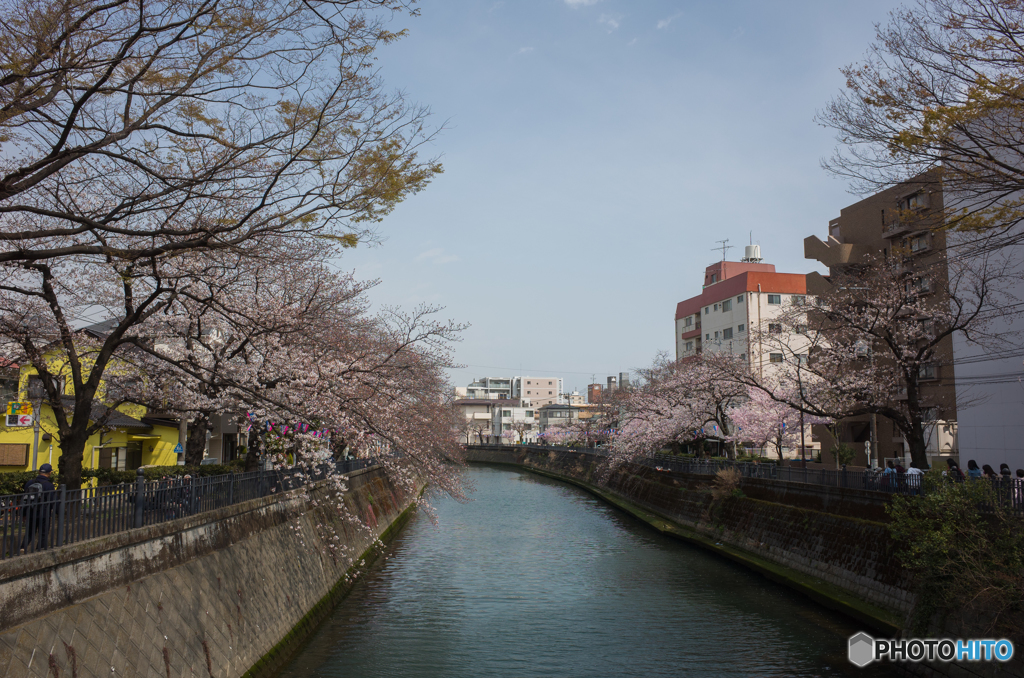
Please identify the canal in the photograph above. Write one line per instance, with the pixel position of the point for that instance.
(534, 577)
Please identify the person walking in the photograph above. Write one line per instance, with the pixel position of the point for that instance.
(39, 493)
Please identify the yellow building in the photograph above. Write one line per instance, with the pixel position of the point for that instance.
(129, 439)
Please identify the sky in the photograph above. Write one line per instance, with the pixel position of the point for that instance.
(595, 151)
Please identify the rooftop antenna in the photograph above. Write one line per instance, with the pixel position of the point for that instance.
(723, 247)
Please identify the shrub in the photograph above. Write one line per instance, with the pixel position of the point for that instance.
(966, 551)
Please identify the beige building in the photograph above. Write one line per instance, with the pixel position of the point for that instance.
(901, 217)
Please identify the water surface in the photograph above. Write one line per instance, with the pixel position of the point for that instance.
(537, 578)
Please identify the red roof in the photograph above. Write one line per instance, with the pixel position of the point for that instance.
(748, 281)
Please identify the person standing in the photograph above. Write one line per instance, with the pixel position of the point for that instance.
(39, 494)
(973, 472)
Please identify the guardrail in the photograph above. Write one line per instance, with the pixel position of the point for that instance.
(29, 524)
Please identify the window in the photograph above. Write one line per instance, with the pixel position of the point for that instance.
(712, 278)
(707, 337)
(741, 328)
(797, 300)
(716, 334)
(688, 322)
(800, 359)
(775, 357)
(775, 299)
(689, 346)
(549, 392)
(918, 243)
(506, 427)
(716, 307)
(727, 305)
(801, 329)
(743, 356)
(739, 299)
(529, 413)
(707, 309)
(549, 383)
(527, 383)
(528, 393)
(506, 413)
(913, 202)
(927, 371)
(930, 414)
(774, 328)
(727, 333)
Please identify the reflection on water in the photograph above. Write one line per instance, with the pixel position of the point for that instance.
(537, 578)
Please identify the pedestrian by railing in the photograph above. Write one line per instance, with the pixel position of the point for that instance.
(34, 521)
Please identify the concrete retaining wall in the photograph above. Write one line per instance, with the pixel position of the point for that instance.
(217, 594)
(804, 536)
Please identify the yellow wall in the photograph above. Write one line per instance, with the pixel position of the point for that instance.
(157, 444)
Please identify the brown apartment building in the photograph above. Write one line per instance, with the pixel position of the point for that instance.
(900, 220)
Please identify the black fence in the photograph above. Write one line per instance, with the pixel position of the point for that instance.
(1009, 492)
(30, 523)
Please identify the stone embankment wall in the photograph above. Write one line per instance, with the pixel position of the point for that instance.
(218, 594)
(828, 543)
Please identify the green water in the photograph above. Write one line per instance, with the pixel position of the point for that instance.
(537, 578)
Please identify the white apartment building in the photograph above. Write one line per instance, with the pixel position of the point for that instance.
(736, 297)
(515, 419)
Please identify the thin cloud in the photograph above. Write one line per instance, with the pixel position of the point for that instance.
(524, 50)
(612, 21)
(665, 22)
(576, 4)
(437, 256)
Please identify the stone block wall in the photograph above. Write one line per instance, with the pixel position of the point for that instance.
(215, 595)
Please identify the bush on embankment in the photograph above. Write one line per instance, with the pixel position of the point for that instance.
(965, 548)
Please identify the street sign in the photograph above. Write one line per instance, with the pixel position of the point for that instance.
(19, 408)
(19, 420)
(178, 449)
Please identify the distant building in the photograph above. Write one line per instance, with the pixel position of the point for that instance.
(574, 398)
(736, 296)
(594, 393)
(551, 415)
(538, 390)
(488, 388)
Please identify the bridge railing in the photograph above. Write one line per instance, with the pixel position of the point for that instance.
(30, 523)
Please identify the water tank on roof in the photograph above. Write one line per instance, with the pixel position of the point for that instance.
(752, 254)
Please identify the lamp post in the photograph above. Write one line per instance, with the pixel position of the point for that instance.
(35, 394)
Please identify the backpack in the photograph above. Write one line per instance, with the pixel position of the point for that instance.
(34, 491)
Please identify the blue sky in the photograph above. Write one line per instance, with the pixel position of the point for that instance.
(594, 151)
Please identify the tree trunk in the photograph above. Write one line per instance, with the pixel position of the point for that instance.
(916, 442)
(252, 453)
(195, 445)
(69, 464)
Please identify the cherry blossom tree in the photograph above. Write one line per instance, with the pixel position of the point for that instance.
(878, 333)
(676, 402)
(765, 420)
(147, 146)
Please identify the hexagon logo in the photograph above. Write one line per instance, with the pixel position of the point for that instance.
(862, 650)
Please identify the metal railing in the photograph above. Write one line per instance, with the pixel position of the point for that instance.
(30, 523)
(1009, 492)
